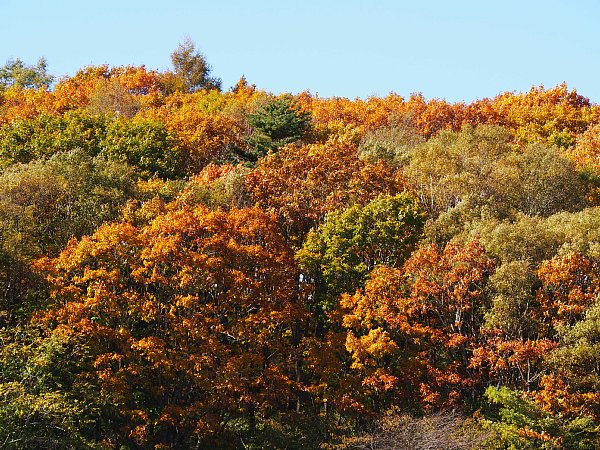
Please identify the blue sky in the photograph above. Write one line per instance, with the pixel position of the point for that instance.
(458, 50)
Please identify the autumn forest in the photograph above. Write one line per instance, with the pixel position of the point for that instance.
(188, 266)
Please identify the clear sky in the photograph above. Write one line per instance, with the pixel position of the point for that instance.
(458, 50)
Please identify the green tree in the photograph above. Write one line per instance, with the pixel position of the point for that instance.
(145, 144)
(513, 287)
(43, 205)
(277, 122)
(41, 137)
(539, 181)
(525, 238)
(339, 254)
(519, 423)
(391, 144)
(47, 202)
(454, 165)
(16, 73)
(43, 403)
(577, 361)
(191, 67)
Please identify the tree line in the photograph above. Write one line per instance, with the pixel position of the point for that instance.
(186, 267)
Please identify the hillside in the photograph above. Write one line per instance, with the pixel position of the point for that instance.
(183, 266)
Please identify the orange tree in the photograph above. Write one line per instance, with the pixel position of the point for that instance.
(182, 326)
(204, 128)
(302, 184)
(412, 331)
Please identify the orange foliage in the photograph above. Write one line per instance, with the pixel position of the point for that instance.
(571, 283)
(302, 184)
(413, 331)
(210, 173)
(368, 114)
(204, 134)
(515, 363)
(76, 92)
(556, 396)
(17, 103)
(586, 153)
(197, 312)
(554, 115)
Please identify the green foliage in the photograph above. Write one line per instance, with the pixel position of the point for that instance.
(29, 139)
(562, 139)
(521, 425)
(142, 143)
(277, 122)
(291, 431)
(340, 253)
(42, 404)
(578, 356)
(16, 73)
(481, 164)
(453, 165)
(460, 219)
(524, 238)
(578, 231)
(191, 67)
(512, 286)
(43, 205)
(145, 144)
(228, 191)
(539, 181)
